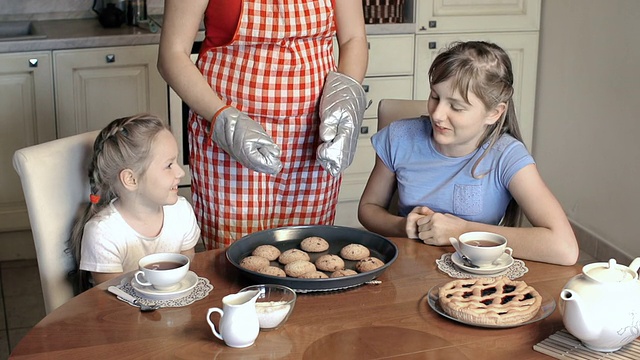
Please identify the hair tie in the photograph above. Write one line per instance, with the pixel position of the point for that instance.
(94, 198)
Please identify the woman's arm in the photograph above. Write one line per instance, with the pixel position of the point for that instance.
(180, 26)
(352, 39)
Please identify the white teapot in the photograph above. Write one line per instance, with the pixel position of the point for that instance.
(601, 306)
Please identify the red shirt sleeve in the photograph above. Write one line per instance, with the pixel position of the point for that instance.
(221, 20)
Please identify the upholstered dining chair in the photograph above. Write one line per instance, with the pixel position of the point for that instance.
(55, 185)
(390, 110)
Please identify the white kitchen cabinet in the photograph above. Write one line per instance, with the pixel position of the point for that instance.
(95, 86)
(522, 48)
(389, 75)
(27, 117)
(459, 16)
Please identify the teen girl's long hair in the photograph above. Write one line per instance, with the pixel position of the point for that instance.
(123, 144)
(485, 70)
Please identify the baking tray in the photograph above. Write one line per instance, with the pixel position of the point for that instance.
(285, 238)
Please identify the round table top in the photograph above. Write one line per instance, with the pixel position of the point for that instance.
(386, 320)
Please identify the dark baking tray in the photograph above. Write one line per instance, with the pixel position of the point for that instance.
(285, 238)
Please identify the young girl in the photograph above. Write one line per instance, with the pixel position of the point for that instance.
(464, 167)
(135, 209)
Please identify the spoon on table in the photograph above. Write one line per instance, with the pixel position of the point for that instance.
(465, 259)
(132, 300)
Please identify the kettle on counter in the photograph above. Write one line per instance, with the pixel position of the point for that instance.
(110, 13)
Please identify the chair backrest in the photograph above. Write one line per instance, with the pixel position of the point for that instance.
(55, 185)
(390, 110)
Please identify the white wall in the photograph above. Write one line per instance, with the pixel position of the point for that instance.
(588, 115)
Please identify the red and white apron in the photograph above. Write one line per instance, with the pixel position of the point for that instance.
(274, 71)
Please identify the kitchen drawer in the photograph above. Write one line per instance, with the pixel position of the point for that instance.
(390, 55)
(394, 87)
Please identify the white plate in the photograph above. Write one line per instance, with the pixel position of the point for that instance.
(499, 265)
(546, 308)
(149, 292)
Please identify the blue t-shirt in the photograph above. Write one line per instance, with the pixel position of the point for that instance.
(445, 184)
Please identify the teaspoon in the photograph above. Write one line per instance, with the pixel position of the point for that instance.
(465, 259)
(132, 300)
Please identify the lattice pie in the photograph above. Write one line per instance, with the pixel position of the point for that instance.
(490, 301)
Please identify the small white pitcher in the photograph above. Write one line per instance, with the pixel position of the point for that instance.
(239, 325)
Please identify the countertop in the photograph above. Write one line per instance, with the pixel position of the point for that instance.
(88, 33)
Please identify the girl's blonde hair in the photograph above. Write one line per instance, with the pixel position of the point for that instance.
(485, 70)
(123, 144)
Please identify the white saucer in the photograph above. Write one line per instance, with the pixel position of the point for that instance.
(149, 292)
(499, 265)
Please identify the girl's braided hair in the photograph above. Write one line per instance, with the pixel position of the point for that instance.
(123, 144)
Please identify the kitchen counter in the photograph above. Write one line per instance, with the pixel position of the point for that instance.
(88, 33)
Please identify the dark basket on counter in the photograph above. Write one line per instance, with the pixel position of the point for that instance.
(383, 11)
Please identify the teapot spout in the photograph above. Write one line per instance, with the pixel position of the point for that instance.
(578, 320)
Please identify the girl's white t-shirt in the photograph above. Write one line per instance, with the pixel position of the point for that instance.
(110, 245)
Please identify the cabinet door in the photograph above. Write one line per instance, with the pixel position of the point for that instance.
(95, 86)
(523, 51)
(446, 16)
(26, 118)
(393, 87)
(390, 55)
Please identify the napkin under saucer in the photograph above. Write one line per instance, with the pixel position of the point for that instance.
(447, 265)
(187, 294)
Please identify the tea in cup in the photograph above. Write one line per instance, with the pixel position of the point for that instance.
(483, 248)
(162, 271)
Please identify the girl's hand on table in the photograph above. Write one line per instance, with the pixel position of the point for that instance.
(419, 213)
(437, 228)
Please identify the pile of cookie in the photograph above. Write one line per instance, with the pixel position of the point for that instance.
(297, 262)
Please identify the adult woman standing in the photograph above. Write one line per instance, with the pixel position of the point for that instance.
(261, 110)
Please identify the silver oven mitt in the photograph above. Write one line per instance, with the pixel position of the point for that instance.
(246, 141)
(341, 111)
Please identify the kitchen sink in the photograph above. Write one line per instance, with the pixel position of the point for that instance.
(18, 30)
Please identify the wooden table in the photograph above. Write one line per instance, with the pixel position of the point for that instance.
(367, 322)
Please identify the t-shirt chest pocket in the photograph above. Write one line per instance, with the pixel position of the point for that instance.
(467, 199)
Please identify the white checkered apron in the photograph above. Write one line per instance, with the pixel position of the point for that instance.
(273, 70)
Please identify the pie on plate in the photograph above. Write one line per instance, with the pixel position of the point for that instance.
(490, 301)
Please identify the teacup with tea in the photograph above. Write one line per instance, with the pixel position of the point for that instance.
(483, 248)
(162, 271)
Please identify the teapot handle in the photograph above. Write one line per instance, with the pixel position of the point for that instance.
(635, 265)
(211, 324)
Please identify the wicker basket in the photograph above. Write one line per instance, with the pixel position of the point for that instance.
(383, 11)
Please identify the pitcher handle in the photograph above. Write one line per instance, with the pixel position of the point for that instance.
(211, 324)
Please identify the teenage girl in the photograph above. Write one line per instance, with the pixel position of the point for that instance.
(135, 209)
(464, 167)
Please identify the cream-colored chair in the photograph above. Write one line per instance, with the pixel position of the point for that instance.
(55, 183)
(390, 110)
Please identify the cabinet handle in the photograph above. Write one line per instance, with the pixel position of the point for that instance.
(433, 24)
(432, 45)
(33, 63)
(364, 130)
(111, 58)
(366, 88)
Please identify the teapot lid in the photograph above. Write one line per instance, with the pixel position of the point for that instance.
(609, 272)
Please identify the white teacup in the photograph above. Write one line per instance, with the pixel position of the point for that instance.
(163, 271)
(483, 248)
